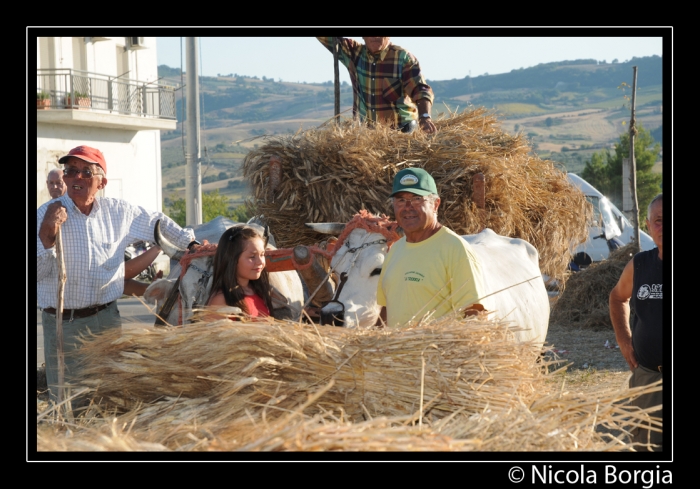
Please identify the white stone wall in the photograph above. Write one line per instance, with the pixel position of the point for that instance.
(133, 160)
(133, 157)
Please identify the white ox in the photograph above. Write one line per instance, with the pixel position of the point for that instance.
(512, 278)
(287, 289)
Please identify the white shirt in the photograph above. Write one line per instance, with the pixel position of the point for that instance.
(93, 250)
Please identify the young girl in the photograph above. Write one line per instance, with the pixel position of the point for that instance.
(240, 279)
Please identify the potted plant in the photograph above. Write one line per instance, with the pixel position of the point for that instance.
(82, 100)
(43, 100)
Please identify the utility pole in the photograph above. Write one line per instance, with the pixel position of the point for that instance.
(336, 72)
(193, 172)
(633, 164)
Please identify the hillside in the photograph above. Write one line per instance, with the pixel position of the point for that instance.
(568, 110)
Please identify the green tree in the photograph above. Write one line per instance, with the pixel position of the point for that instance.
(241, 213)
(213, 205)
(177, 211)
(604, 170)
(596, 171)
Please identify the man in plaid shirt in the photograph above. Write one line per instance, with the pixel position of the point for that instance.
(387, 83)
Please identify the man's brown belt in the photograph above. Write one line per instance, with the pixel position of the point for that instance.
(69, 314)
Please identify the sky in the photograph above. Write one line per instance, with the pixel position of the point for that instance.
(304, 59)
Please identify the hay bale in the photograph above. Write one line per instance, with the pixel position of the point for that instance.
(584, 302)
(332, 172)
(468, 364)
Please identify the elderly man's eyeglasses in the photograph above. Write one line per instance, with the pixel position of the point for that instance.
(415, 201)
(73, 172)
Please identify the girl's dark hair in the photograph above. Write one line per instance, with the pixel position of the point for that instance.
(231, 246)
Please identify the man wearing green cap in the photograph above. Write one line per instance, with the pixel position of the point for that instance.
(431, 270)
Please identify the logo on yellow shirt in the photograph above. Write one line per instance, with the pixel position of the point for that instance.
(411, 277)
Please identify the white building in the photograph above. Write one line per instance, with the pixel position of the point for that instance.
(103, 92)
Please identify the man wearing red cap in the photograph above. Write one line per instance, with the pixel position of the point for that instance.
(95, 231)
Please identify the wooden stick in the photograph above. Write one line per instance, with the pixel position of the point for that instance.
(59, 315)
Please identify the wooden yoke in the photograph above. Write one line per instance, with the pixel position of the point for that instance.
(298, 258)
(279, 260)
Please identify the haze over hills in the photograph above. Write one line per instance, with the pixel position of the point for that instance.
(568, 109)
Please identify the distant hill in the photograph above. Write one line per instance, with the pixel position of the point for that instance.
(266, 99)
(568, 109)
(581, 74)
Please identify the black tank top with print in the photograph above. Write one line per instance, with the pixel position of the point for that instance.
(647, 303)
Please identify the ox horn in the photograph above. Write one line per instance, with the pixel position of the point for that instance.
(168, 248)
(334, 228)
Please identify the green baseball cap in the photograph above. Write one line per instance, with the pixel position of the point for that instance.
(414, 180)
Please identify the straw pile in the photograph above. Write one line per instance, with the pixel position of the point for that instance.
(584, 301)
(447, 385)
(558, 421)
(467, 365)
(331, 172)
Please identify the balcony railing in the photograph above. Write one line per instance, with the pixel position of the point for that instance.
(74, 89)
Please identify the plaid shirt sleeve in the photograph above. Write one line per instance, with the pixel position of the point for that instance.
(349, 54)
(349, 48)
(414, 84)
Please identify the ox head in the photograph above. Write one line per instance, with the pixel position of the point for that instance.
(193, 286)
(359, 256)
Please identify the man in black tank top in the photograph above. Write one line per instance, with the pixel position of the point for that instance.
(641, 283)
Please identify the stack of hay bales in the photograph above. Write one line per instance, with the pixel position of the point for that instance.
(329, 173)
(451, 384)
(584, 301)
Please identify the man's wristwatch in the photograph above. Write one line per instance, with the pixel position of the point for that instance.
(425, 116)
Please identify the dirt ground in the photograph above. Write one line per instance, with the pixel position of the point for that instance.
(591, 365)
(585, 349)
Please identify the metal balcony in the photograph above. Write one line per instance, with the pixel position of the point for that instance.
(61, 89)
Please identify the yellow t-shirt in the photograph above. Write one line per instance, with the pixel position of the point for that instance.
(439, 275)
